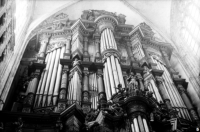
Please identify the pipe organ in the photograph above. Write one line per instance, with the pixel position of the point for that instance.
(81, 78)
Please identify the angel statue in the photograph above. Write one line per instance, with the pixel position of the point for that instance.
(133, 84)
(76, 62)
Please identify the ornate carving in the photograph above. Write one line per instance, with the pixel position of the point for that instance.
(18, 125)
(62, 94)
(76, 62)
(91, 15)
(61, 106)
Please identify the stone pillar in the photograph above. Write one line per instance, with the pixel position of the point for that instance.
(101, 89)
(67, 53)
(182, 90)
(63, 89)
(29, 100)
(86, 56)
(97, 48)
(85, 93)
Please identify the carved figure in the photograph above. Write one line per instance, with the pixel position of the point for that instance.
(133, 84)
(118, 111)
(76, 62)
(18, 125)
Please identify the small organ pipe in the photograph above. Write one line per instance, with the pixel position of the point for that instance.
(106, 89)
(38, 90)
(111, 78)
(109, 40)
(107, 82)
(140, 122)
(58, 78)
(120, 73)
(113, 38)
(145, 125)
(156, 90)
(136, 125)
(132, 128)
(106, 40)
(114, 70)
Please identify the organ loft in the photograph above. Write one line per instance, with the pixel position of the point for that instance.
(97, 74)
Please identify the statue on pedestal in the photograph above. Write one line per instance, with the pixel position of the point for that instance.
(132, 82)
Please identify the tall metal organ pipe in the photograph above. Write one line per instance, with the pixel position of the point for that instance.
(112, 69)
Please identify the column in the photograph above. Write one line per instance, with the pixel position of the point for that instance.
(97, 48)
(85, 52)
(29, 100)
(86, 56)
(163, 92)
(63, 90)
(85, 94)
(101, 89)
(67, 53)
